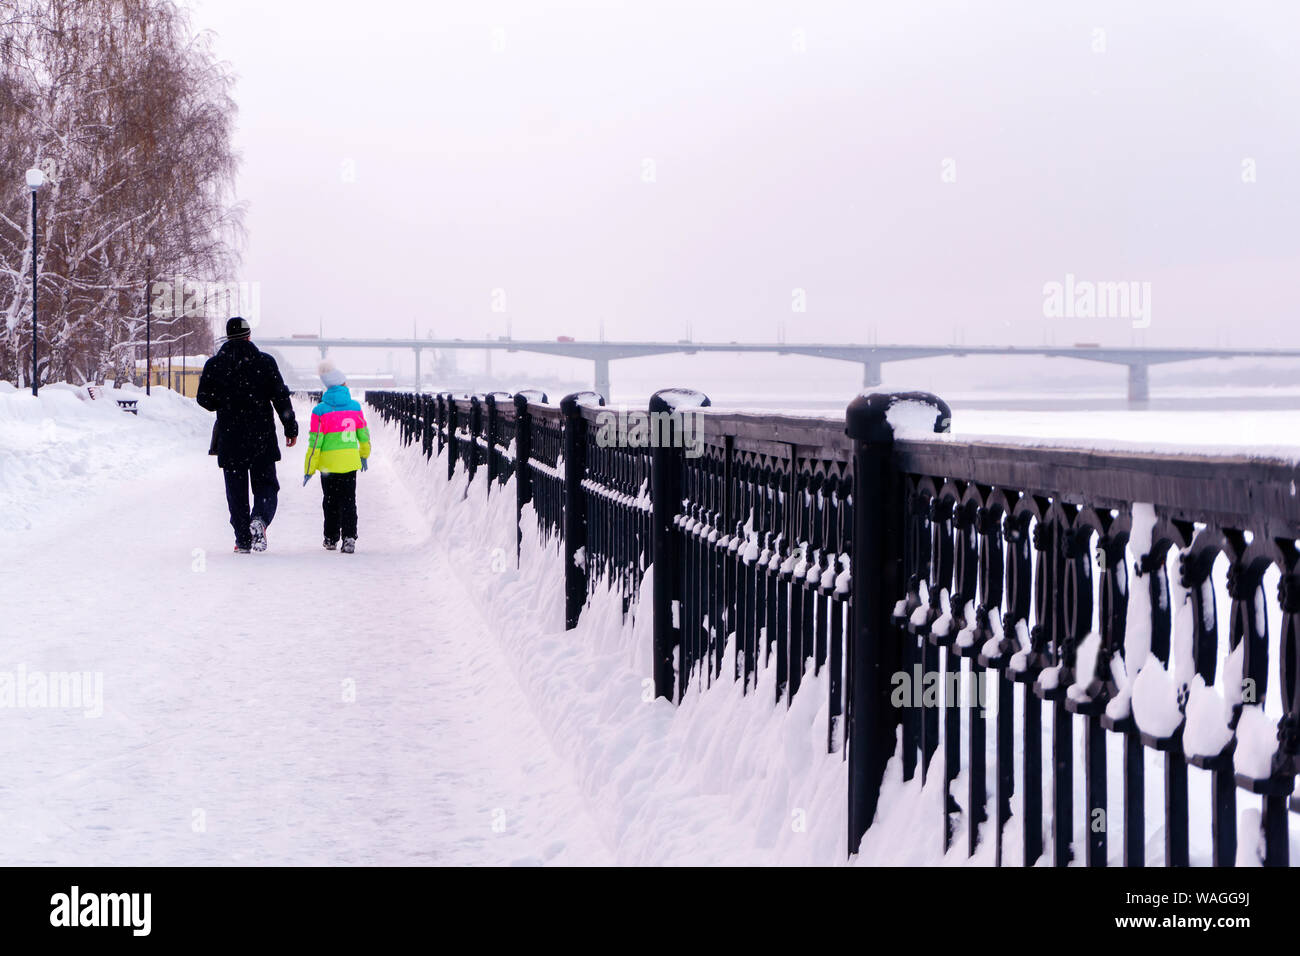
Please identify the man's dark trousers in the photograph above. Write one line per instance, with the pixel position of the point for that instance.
(340, 504)
(261, 475)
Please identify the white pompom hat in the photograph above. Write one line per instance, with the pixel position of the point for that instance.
(329, 375)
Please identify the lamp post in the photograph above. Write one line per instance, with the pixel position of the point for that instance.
(35, 180)
(148, 324)
(184, 364)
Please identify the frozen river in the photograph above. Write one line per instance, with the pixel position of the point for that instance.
(1261, 422)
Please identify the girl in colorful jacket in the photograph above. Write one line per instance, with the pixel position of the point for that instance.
(338, 446)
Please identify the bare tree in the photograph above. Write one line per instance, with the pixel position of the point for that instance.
(131, 116)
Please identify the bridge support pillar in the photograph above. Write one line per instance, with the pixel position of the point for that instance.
(602, 378)
(870, 374)
(417, 371)
(1139, 383)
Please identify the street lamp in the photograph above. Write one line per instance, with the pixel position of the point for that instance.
(35, 180)
(148, 322)
(184, 364)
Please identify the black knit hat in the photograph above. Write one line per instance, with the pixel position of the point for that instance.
(238, 328)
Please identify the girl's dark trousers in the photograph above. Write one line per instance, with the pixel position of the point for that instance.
(340, 505)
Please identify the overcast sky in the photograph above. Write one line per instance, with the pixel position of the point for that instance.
(664, 166)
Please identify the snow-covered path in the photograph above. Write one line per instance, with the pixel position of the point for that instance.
(298, 706)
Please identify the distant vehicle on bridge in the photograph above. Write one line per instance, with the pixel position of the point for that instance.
(564, 338)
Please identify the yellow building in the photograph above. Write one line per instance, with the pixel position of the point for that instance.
(184, 373)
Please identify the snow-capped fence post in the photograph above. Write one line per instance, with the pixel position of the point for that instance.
(453, 438)
(666, 543)
(1275, 837)
(491, 426)
(502, 428)
(440, 420)
(427, 412)
(523, 473)
(876, 566)
(449, 428)
(575, 503)
(421, 424)
(523, 458)
(475, 432)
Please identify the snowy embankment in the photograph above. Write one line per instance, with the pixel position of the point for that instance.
(56, 445)
(722, 779)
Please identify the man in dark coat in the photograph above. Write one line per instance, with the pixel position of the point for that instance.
(242, 385)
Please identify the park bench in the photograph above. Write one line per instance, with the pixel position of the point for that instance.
(126, 404)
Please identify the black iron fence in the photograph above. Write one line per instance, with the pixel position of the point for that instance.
(931, 577)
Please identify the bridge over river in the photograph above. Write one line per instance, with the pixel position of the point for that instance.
(1138, 359)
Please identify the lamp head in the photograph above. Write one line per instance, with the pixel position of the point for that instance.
(35, 178)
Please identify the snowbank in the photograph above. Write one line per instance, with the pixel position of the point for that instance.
(724, 778)
(53, 444)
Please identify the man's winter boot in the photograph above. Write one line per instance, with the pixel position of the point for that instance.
(257, 527)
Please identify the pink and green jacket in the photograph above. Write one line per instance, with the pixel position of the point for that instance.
(339, 436)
